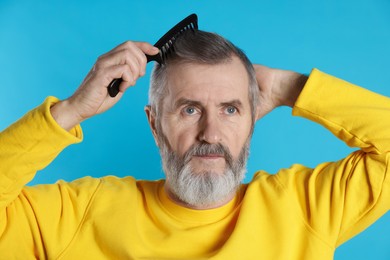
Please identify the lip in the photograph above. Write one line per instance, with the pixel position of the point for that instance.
(210, 156)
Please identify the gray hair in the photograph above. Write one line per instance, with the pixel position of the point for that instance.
(199, 47)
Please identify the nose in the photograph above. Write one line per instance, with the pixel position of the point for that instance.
(210, 129)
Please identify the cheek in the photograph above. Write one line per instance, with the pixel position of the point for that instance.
(238, 139)
(180, 138)
(236, 145)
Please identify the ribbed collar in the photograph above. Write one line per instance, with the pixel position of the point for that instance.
(207, 216)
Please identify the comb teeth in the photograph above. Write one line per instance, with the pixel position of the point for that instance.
(165, 43)
(168, 47)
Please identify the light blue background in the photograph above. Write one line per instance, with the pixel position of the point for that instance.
(47, 47)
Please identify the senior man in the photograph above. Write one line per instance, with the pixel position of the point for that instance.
(204, 103)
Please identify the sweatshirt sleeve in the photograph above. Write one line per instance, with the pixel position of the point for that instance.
(28, 146)
(340, 199)
(41, 220)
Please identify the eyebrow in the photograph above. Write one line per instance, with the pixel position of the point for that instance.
(235, 102)
(185, 101)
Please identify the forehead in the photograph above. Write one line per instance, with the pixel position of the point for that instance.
(204, 82)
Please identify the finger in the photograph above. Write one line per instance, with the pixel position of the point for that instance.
(128, 79)
(104, 76)
(147, 48)
(138, 61)
(139, 49)
(132, 56)
(141, 59)
(144, 46)
(131, 53)
(123, 72)
(127, 75)
(122, 46)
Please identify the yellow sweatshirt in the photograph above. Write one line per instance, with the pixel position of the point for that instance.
(298, 213)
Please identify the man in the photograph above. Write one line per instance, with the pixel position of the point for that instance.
(204, 103)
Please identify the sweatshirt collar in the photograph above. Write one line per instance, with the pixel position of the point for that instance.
(205, 216)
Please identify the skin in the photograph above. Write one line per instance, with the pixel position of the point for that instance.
(212, 108)
(126, 61)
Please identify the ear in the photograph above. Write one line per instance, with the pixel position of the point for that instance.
(152, 122)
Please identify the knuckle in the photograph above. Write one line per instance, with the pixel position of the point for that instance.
(127, 70)
(143, 59)
(100, 58)
(126, 67)
(126, 54)
(129, 44)
(99, 62)
(96, 68)
(142, 44)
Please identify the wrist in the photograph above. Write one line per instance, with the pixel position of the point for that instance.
(64, 115)
(291, 84)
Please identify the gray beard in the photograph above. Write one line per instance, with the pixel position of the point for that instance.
(202, 189)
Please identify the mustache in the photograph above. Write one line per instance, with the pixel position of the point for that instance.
(204, 149)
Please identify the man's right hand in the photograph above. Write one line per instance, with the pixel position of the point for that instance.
(126, 61)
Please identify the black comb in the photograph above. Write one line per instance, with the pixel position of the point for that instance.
(164, 44)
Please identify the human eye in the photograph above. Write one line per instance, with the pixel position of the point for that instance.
(230, 110)
(189, 110)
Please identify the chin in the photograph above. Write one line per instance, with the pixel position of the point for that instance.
(207, 167)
